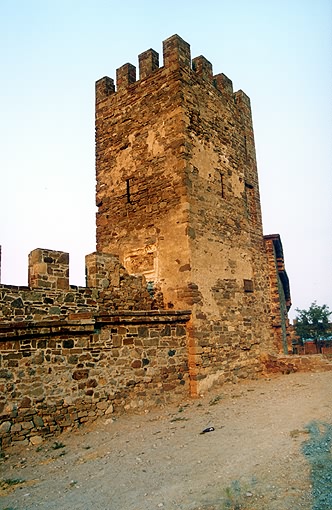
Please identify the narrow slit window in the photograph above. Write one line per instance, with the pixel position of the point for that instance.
(128, 190)
(245, 147)
(222, 185)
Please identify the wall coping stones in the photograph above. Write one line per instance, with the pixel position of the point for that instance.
(85, 322)
(146, 316)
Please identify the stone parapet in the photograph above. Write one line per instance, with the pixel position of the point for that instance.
(49, 295)
(279, 293)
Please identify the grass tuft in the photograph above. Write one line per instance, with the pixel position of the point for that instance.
(57, 445)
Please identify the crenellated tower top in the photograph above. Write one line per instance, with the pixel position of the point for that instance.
(176, 55)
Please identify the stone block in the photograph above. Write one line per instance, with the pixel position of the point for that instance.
(27, 425)
(102, 405)
(36, 440)
(80, 374)
(21, 442)
(16, 427)
(109, 410)
(5, 427)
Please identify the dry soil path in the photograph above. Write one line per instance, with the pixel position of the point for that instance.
(270, 449)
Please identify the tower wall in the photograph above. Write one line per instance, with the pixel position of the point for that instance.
(178, 201)
(228, 266)
(142, 194)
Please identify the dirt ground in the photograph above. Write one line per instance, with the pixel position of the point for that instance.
(260, 455)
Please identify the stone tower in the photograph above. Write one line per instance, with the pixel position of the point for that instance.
(178, 201)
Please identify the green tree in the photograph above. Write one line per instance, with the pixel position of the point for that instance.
(313, 324)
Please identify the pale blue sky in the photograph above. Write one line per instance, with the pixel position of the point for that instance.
(52, 52)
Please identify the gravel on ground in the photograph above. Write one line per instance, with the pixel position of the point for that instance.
(270, 449)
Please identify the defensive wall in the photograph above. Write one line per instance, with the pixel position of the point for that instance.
(70, 354)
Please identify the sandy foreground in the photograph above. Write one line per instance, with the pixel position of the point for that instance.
(270, 449)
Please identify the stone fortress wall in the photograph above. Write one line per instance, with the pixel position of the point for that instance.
(70, 354)
(184, 290)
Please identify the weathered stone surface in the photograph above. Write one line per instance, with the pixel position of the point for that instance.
(110, 409)
(21, 442)
(38, 421)
(27, 425)
(102, 405)
(80, 374)
(5, 374)
(16, 427)
(36, 440)
(5, 427)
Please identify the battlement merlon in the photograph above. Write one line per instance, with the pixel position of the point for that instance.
(48, 269)
(102, 270)
(148, 63)
(202, 68)
(244, 107)
(125, 76)
(223, 84)
(104, 88)
(176, 55)
(242, 100)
